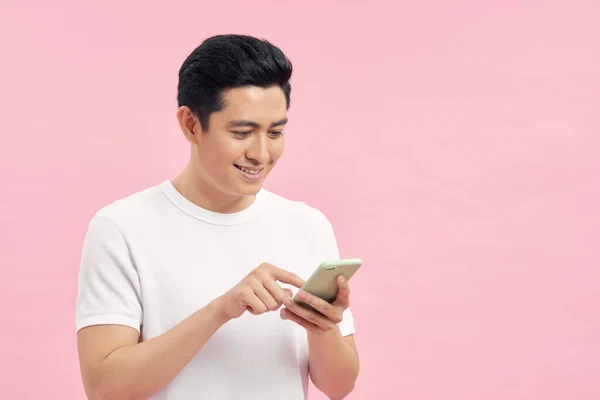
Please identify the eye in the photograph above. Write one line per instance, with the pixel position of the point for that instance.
(276, 133)
(243, 134)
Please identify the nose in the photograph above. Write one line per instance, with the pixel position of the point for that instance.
(258, 150)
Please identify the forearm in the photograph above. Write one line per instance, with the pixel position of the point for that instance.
(333, 363)
(139, 371)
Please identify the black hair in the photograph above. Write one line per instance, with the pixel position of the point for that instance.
(229, 61)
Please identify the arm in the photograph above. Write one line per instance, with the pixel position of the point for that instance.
(333, 362)
(115, 366)
(333, 359)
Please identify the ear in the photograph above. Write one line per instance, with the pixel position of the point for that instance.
(189, 124)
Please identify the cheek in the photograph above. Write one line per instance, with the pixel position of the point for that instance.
(277, 149)
(231, 151)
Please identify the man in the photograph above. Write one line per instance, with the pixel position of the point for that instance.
(184, 288)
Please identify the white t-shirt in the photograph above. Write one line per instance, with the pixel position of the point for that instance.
(152, 259)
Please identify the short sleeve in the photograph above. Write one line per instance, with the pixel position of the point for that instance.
(109, 286)
(331, 252)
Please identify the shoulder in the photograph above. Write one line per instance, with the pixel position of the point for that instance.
(308, 223)
(132, 209)
(296, 211)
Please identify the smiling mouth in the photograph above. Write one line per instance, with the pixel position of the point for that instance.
(251, 171)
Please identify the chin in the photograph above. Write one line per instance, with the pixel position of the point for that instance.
(245, 189)
(251, 190)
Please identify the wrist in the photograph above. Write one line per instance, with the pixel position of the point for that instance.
(329, 335)
(218, 311)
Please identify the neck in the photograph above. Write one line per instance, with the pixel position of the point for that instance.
(196, 189)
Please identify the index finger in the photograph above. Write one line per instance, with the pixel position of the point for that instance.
(286, 277)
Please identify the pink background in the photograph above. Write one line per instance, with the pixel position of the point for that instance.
(454, 145)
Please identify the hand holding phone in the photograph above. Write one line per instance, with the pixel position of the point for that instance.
(323, 281)
(327, 293)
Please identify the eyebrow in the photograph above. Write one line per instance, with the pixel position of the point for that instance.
(239, 123)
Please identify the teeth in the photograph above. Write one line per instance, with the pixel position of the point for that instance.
(249, 171)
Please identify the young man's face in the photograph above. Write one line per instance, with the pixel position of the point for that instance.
(243, 141)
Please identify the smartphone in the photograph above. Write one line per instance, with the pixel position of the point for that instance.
(323, 281)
